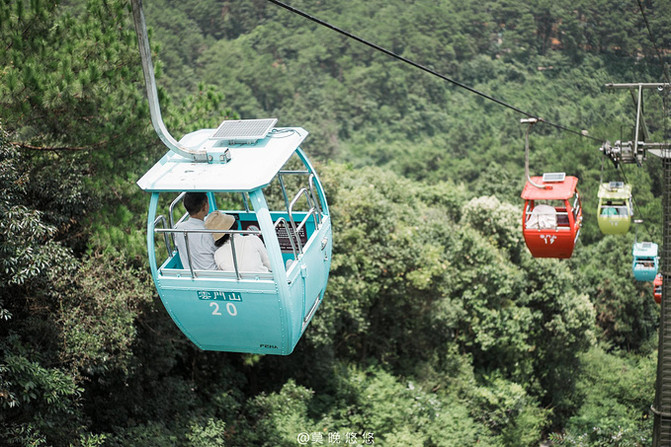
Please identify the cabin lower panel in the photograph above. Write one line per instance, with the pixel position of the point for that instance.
(223, 317)
(549, 244)
(614, 224)
(644, 274)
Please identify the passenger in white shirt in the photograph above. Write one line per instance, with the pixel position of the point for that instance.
(201, 245)
(250, 253)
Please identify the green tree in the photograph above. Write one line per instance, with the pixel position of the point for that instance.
(617, 405)
(39, 398)
(65, 77)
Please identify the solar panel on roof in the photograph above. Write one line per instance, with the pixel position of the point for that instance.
(554, 177)
(613, 186)
(243, 131)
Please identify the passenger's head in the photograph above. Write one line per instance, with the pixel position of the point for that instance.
(219, 221)
(194, 202)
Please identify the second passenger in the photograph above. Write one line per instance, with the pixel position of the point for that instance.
(250, 253)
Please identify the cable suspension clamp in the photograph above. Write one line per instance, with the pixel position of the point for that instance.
(635, 151)
(620, 152)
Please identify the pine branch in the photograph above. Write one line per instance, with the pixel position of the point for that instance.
(21, 145)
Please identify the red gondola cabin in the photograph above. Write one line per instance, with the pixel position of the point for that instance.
(552, 215)
(657, 288)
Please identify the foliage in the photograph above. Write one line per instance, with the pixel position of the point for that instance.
(486, 294)
(98, 313)
(64, 77)
(367, 406)
(37, 402)
(626, 313)
(37, 396)
(507, 409)
(617, 413)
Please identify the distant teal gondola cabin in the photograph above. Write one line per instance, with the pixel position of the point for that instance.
(268, 184)
(615, 208)
(646, 261)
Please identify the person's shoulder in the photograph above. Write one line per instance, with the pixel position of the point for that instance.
(190, 223)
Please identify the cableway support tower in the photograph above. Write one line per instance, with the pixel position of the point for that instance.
(636, 151)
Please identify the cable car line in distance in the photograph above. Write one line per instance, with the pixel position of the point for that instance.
(390, 53)
(429, 70)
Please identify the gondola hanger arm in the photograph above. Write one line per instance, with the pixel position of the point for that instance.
(152, 94)
(530, 122)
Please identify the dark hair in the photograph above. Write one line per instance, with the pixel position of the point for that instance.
(222, 240)
(194, 201)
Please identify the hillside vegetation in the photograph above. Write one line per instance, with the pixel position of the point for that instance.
(438, 328)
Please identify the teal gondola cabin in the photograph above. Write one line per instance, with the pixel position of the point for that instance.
(259, 175)
(646, 261)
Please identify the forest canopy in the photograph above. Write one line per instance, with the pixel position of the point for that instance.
(438, 327)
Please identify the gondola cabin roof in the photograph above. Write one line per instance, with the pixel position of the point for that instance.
(252, 165)
(614, 191)
(645, 249)
(558, 190)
